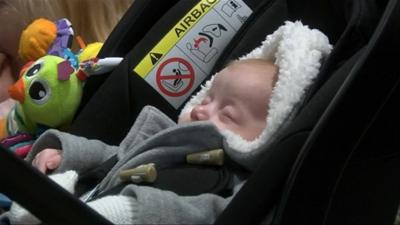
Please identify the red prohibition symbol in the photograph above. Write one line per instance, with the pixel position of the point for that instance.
(174, 83)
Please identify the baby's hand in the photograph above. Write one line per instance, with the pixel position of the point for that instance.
(48, 159)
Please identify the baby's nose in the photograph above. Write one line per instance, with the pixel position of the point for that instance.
(199, 112)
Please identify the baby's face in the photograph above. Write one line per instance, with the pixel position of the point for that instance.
(238, 99)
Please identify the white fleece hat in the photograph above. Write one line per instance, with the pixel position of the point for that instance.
(297, 50)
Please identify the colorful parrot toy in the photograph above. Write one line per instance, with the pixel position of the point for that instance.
(50, 86)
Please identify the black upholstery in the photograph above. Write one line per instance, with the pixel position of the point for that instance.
(130, 29)
(345, 171)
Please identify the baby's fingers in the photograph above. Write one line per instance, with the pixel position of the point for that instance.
(40, 164)
(51, 165)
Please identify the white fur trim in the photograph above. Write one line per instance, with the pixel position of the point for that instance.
(297, 50)
(116, 208)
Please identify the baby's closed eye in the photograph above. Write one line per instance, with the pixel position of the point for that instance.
(229, 114)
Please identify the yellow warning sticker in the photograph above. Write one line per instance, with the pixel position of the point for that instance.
(173, 36)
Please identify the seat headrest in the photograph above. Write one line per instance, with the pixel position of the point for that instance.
(333, 16)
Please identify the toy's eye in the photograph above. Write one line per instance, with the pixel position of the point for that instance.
(34, 70)
(39, 92)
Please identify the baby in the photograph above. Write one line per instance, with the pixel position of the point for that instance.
(237, 101)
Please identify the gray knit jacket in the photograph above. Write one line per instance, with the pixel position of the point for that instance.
(154, 138)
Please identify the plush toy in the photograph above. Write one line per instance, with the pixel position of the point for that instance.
(48, 94)
(49, 89)
(44, 37)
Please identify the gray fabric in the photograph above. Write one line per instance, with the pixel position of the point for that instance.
(167, 147)
(154, 206)
(154, 138)
(79, 153)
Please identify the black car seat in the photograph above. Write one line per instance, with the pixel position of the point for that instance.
(130, 29)
(357, 166)
(349, 25)
(119, 98)
(346, 172)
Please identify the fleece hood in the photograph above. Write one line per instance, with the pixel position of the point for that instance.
(298, 52)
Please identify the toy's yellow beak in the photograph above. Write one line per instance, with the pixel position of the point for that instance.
(16, 91)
